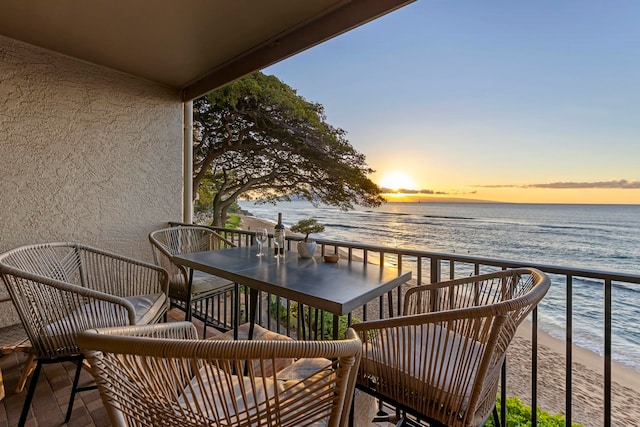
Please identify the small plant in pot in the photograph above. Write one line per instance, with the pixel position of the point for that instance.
(307, 248)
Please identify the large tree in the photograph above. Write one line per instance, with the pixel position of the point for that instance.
(259, 139)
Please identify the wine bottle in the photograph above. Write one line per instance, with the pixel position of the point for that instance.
(278, 236)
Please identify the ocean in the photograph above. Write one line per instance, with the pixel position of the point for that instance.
(595, 237)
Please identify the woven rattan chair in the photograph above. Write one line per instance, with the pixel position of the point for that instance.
(61, 289)
(167, 243)
(162, 375)
(441, 360)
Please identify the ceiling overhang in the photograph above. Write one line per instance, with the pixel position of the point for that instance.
(193, 46)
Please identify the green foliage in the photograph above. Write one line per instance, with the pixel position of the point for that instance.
(277, 309)
(306, 227)
(259, 139)
(233, 221)
(519, 415)
(343, 324)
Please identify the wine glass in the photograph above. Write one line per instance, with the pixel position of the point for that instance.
(261, 238)
(278, 244)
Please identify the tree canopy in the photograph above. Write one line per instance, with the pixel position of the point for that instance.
(257, 138)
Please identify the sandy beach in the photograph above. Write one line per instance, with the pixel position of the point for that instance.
(587, 371)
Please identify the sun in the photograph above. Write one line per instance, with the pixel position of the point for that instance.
(397, 180)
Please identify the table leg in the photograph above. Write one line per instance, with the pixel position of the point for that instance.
(336, 324)
(187, 314)
(236, 310)
(302, 317)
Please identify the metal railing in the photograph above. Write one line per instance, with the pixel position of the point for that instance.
(431, 267)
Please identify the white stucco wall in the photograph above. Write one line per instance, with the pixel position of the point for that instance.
(86, 154)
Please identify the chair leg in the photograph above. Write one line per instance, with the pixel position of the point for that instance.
(30, 392)
(236, 310)
(401, 422)
(187, 306)
(352, 415)
(496, 417)
(27, 369)
(74, 389)
(206, 318)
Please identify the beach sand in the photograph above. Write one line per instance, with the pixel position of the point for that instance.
(587, 393)
(587, 370)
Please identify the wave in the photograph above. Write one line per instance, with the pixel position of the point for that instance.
(448, 217)
(392, 213)
(565, 227)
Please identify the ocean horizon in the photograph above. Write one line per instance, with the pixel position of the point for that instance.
(580, 236)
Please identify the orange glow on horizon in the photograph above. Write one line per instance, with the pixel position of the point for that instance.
(526, 195)
(397, 180)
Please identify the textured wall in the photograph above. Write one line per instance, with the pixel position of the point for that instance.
(86, 154)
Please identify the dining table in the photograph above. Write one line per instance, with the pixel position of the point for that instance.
(337, 288)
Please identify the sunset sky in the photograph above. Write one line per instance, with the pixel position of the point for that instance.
(494, 100)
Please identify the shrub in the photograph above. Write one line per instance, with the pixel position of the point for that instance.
(519, 415)
(278, 309)
(306, 227)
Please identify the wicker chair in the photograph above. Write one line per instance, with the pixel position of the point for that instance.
(162, 375)
(62, 289)
(441, 360)
(183, 240)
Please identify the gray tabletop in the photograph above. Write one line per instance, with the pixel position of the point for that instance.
(337, 288)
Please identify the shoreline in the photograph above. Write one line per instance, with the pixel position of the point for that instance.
(587, 373)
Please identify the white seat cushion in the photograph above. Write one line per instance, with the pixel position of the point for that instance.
(147, 309)
(267, 367)
(299, 386)
(203, 285)
(426, 356)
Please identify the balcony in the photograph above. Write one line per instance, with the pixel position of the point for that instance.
(553, 378)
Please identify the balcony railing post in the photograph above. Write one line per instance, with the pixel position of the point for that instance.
(435, 278)
(607, 353)
(534, 367)
(569, 350)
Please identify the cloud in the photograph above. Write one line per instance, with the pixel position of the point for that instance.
(421, 192)
(408, 191)
(621, 184)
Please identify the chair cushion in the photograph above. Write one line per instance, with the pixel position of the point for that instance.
(260, 334)
(206, 284)
(203, 285)
(302, 368)
(423, 360)
(237, 396)
(148, 308)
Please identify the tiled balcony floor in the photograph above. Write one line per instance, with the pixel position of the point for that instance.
(53, 391)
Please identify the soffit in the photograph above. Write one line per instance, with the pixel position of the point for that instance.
(191, 45)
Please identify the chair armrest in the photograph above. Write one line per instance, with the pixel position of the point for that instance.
(364, 329)
(174, 330)
(62, 311)
(177, 273)
(223, 241)
(473, 291)
(63, 298)
(121, 276)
